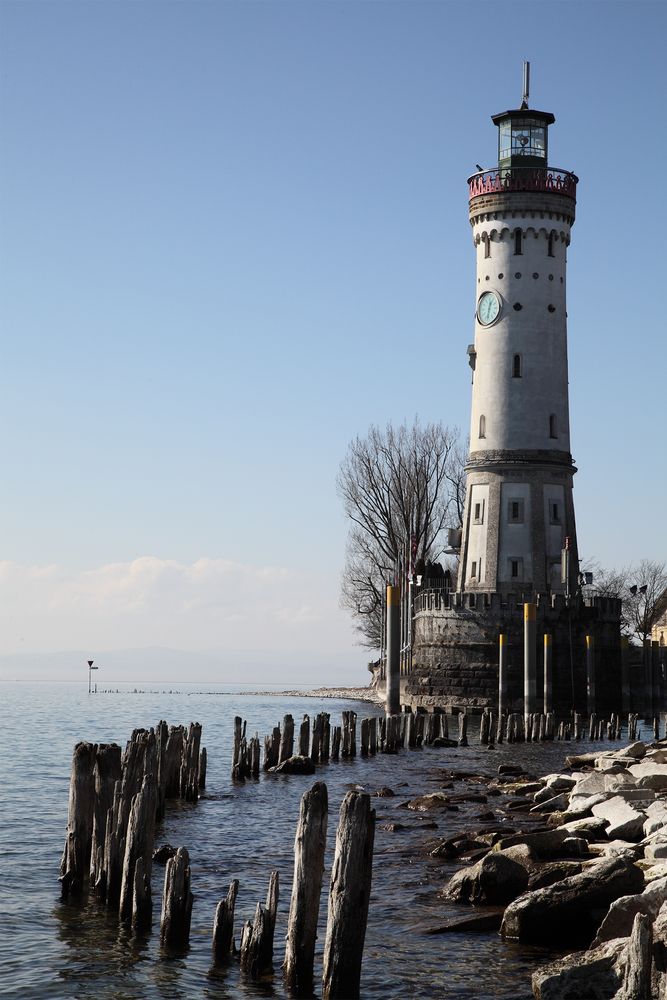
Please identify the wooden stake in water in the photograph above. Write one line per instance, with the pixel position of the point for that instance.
(348, 898)
(223, 926)
(309, 846)
(176, 902)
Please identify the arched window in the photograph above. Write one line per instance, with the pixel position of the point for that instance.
(550, 250)
(517, 241)
(516, 366)
(553, 428)
(482, 426)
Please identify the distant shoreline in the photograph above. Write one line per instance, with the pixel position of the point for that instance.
(366, 694)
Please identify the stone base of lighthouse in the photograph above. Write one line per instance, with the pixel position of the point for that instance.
(455, 651)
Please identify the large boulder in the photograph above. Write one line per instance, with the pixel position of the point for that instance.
(593, 975)
(496, 879)
(626, 821)
(621, 914)
(543, 844)
(590, 827)
(570, 912)
(656, 817)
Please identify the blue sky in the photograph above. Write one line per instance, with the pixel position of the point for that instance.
(234, 235)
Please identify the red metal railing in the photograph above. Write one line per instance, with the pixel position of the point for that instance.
(549, 179)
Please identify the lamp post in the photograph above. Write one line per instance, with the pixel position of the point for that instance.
(90, 669)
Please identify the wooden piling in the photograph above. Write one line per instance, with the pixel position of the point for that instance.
(139, 844)
(309, 847)
(287, 740)
(107, 772)
(201, 781)
(190, 764)
(75, 861)
(256, 951)
(348, 898)
(463, 729)
(304, 737)
(176, 902)
(223, 926)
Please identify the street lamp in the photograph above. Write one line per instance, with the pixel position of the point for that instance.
(90, 668)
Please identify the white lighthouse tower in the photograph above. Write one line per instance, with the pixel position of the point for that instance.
(519, 511)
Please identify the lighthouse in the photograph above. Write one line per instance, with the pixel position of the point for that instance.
(519, 511)
(519, 620)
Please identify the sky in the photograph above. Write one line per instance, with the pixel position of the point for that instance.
(233, 235)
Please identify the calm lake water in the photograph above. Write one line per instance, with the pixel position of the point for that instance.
(49, 949)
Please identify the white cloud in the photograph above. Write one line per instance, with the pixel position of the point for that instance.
(207, 605)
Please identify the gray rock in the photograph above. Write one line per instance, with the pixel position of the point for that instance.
(547, 873)
(582, 805)
(542, 844)
(593, 975)
(570, 912)
(295, 765)
(592, 828)
(621, 914)
(480, 923)
(656, 817)
(495, 880)
(555, 803)
(626, 821)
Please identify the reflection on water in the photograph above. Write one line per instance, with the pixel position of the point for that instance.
(77, 950)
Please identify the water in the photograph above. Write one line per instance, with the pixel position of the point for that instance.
(50, 949)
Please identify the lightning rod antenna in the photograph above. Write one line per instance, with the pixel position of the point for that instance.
(526, 84)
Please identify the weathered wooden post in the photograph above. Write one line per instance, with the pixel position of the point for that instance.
(78, 842)
(529, 660)
(176, 902)
(590, 674)
(348, 898)
(223, 926)
(304, 737)
(637, 977)
(201, 778)
(393, 698)
(309, 846)
(256, 950)
(139, 844)
(106, 773)
(548, 673)
(287, 740)
(625, 675)
(190, 763)
(463, 729)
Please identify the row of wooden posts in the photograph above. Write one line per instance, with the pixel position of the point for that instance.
(388, 734)
(115, 803)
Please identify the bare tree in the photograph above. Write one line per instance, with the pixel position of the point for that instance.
(643, 591)
(401, 488)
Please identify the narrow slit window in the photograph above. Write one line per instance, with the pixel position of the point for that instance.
(550, 248)
(515, 567)
(516, 366)
(517, 242)
(515, 511)
(479, 512)
(479, 570)
(473, 570)
(554, 512)
(487, 245)
(482, 426)
(553, 427)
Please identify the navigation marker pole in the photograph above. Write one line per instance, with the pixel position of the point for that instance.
(90, 668)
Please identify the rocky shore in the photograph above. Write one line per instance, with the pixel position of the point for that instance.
(343, 693)
(588, 872)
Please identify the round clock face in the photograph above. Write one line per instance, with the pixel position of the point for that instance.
(488, 308)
